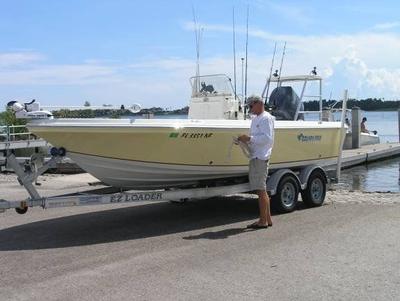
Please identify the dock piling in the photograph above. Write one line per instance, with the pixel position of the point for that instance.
(355, 127)
(342, 134)
(398, 124)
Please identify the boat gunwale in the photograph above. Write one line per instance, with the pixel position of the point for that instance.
(177, 124)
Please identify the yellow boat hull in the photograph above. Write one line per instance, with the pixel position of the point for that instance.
(161, 154)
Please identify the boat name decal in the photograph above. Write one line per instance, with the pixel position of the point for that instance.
(131, 197)
(190, 135)
(308, 138)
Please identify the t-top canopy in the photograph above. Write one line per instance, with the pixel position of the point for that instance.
(295, 78)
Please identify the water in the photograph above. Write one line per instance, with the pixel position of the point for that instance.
(379, 176)
(383, 122)
(386, 123)
(382, 175)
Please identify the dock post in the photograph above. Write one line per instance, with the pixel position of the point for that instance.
(342, 135)
(398, 123)
(355, 127)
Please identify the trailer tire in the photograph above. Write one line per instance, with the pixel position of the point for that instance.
(62, 152)
(314, 194)
(287, 194)
(21, 210)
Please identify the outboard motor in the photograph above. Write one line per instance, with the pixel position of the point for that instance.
(284, 102)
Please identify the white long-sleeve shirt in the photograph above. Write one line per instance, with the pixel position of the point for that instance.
(261, 136)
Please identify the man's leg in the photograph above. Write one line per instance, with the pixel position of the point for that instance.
(264, 207)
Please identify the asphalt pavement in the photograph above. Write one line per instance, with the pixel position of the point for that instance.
(201, 250)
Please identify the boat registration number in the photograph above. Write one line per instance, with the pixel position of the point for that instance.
(191, 135)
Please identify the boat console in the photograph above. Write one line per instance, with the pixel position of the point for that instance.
(213, 97)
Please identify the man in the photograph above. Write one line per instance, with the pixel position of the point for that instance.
(363, 126)
(260, 144)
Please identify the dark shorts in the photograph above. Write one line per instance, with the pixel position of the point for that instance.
(258, 172)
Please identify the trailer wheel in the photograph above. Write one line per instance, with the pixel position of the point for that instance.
(180, 201)
(62, 152)
(314, 194)
(287, 194)
(21, 210)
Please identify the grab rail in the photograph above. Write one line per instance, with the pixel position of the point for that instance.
(10, 133)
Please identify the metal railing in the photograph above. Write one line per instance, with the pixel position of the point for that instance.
(15, 133)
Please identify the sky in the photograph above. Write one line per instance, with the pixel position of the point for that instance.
(124, 52)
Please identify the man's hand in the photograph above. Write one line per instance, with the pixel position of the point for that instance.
(244, 138)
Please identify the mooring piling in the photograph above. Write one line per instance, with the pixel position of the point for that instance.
(355, 127)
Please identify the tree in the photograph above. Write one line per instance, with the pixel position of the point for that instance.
(86, 104)
(8, 118)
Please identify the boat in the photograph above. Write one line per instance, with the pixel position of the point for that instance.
(162, 153)
(365, 139)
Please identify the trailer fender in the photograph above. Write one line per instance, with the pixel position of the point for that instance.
(306, 172)
(274, 179)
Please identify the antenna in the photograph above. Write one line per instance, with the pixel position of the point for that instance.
(269, 77)
(242, 59)
(247, 44)
(280, 68)
(234, 50)
(198, 33)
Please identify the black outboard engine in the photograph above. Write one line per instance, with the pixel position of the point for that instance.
(284, 102)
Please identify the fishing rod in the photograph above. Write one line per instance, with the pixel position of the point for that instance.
(197, 33)
(242, 59)
(246, 55)
(234, 50)
(280, 68)
(269, 77)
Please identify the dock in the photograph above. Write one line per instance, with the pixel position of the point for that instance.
(369, 153)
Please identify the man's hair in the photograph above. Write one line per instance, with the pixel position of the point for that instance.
(364, 119)
(253, 99)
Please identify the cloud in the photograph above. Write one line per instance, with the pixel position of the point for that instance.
(366, 62)
(79, 74)
(11, 59)
(363, 80)
(387, 25)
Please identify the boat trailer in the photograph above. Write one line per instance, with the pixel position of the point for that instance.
(283, 185)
